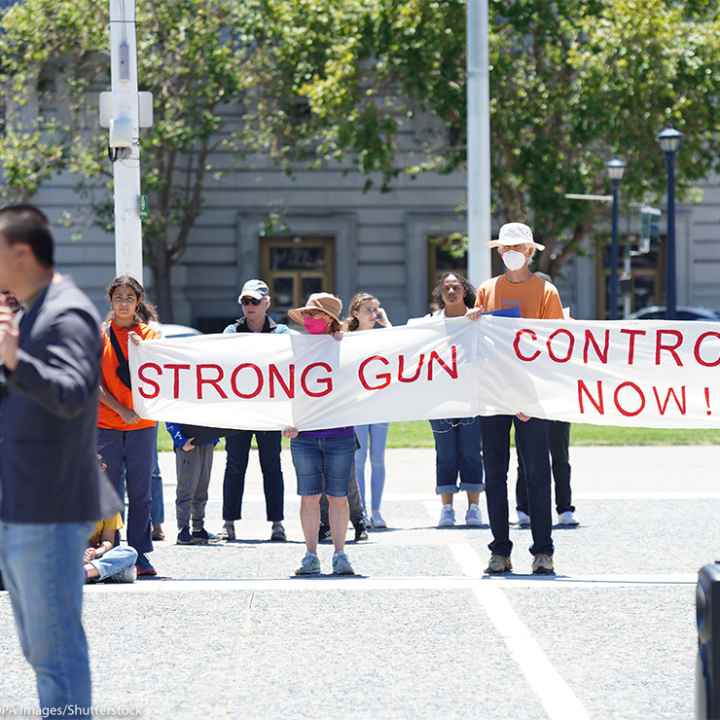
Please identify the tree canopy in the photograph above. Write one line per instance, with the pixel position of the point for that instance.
(377, 85)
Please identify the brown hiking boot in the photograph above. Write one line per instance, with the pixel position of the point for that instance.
(498, 565)
(543, 565)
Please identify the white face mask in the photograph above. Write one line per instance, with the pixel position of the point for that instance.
(514, 260)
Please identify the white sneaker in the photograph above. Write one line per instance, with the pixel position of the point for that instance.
(341, 565)
(523, 519)
(310, 565)
(377, 520)
(447, 517)
(473, 516)
(567, 519)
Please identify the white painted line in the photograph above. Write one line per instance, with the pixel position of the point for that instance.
(327, 583)
(641, 495)
(559, 701)
(618, 495)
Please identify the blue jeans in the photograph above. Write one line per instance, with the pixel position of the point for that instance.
(135, 451)
(42, 570)
(458, 452)
(114, 561)
(531, 438)
(157, 507)
(323, 465)
(375, 437)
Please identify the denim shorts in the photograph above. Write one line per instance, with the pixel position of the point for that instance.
(323, 465)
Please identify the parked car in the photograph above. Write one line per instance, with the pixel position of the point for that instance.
(177, 331)
(657, 312)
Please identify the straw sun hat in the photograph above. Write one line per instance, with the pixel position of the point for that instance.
(326, 302)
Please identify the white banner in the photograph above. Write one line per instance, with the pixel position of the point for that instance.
(651, 374)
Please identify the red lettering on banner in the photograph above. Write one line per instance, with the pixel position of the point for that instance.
(681, 402)
(633, 333)
(401, 369)
(516, 345)
(213, 382)
(621, 409)
(602, 355)
(276, 376)
(143, 378)
(672, 348)
(698, 344)
(598, 402)
(571, 345)
(384, 378)
(176, 368)
(260, 381)
(324, 381)
(451, 371)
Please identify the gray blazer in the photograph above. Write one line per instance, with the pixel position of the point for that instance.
(49, 472)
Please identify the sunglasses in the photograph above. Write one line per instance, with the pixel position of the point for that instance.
(250, 301)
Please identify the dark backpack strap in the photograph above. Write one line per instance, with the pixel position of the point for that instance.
(123, 370)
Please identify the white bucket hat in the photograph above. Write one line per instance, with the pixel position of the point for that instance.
(515, 234)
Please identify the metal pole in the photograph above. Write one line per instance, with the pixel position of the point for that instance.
(614, 252)
(627, 275)
(671, 274)
(478, 142)
(126, 169)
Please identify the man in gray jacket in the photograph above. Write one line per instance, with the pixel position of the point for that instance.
(52, 490)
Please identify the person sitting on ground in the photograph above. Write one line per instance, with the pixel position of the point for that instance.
(194, 447)
(104, 560)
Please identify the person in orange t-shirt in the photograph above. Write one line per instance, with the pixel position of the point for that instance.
(125, 440)
(535, 298)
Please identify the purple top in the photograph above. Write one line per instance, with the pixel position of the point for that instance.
(331, 434)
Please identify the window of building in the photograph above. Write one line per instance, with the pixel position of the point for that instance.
(295, 267)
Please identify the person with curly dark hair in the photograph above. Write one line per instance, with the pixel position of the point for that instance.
(458, 441)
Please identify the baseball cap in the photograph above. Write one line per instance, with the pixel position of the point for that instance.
(255, 289)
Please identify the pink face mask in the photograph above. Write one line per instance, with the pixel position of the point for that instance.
(315, 325)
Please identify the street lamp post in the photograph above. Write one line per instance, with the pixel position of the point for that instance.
(615, 168)
(669, 140)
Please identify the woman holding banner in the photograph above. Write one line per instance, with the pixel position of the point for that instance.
(458, 441)
(125, 440)
(365, 314)
(323, 459)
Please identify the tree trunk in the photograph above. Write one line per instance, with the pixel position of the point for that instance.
(162, 284)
